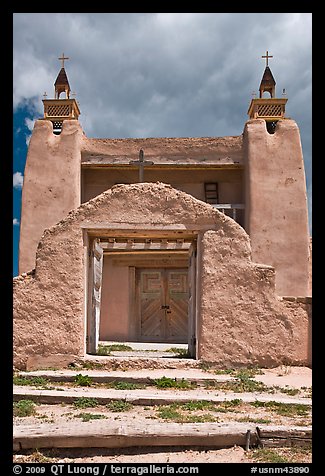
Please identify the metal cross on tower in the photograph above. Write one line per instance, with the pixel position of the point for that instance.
(267, 58)
(63, 58)
(141, 163)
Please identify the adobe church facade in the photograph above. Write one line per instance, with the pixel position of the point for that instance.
(177, 240)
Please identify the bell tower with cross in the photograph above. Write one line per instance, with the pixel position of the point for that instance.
(58, 109)
(271, 109)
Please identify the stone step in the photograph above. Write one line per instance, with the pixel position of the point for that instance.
(109, 434)
(145, 376)
(119, 361)
(146, 396)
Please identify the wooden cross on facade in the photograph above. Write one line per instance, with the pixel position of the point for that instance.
(267, 58)
(63, 58)
(141, 163)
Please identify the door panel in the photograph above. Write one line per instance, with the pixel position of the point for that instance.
(177, 299)
(163, 305)
(151, 297)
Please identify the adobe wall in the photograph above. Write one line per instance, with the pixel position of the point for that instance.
(114, 318)
(276, 203)
(249, 323)
(241, 320)
(51, 184)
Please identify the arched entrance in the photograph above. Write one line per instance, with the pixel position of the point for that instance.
(142, 288)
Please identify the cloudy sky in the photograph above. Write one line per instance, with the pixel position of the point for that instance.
(158, 74)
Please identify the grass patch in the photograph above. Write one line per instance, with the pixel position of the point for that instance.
(197, 405)
(288, 391)
(36, 456)
(107, 349)
(24, 408)
(92, 365)
(167, 382)
(228, 405)
(266, 455)
(171, 412)
(242, 373)
(205, 418)
(31, 381)
(232, 403)
(179, 352)
(125, 385)
(119, 406)
(254, 420)
(284, 409)
(90, 416)
(85, 402)
(243, 384)
(281, 455)
(103, 350)
(206, 366)
(83, 380)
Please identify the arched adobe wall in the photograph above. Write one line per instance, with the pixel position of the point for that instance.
(243, 321)
(49, 302)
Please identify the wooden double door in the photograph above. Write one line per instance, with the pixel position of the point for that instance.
(162, 296)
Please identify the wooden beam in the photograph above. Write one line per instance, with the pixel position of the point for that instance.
(152, 246)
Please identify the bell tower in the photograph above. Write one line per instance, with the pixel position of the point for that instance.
(57, 110)
(271, 109)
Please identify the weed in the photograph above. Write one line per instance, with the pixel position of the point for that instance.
(242, 373)
(125, 385)
(92, 365)
(248, 372)
(199, 418)
(169, 413)
(179, 352)
(229, 405)
(90, 416)
(198, 405)
(85, 402)
(31, 381)
(211, 384)
(254, 420)
(107, 349)
(289, 391)
(284, 409)
(204, 365)
(24, 408)
(83, 380)
(244, 384)
(38, 457)
(45, 418)
(266, 455)
(224, 371)
(103, 350)
(119, 406)
(167, 382)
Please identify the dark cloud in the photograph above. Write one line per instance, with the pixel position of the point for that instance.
(166, 74)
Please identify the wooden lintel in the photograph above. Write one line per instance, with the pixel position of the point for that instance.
(130, 246)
